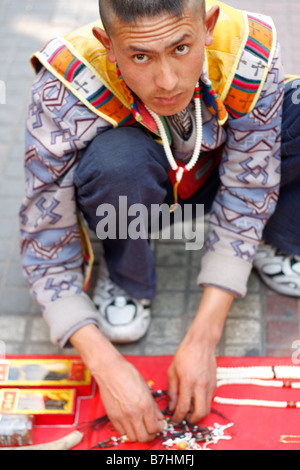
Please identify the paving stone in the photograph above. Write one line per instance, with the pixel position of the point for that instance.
(15, 300)
(282, 332)
(9, 209)
(287, 309)
(14, 169)
(41, 348)
(248, 307)
(166, 304)
(132, 349)
(161, 349)
(242, 331)
(2, 267)
(5, 247)
(193, 276)
(163, 329)
(171, 254)
(15, 277)
(12, 327)
(193, 303)
(8, 228)
(170, 279)
(39, 330)
(12, 188)
(242, 351)
(254, 283)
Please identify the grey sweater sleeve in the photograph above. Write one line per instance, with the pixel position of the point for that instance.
(248, 193)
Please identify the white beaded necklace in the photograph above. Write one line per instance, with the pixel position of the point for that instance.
(263, 372)
(180, 170)
(261, 377)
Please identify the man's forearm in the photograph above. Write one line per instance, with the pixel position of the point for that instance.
(211, 315)
(192, 374)
(96, 351)
(125, 395)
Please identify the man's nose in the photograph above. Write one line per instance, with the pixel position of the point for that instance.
(166, 77)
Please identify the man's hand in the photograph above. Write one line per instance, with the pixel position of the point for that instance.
(192, 381)
(125, 395)
(192, 374)
(129, 403)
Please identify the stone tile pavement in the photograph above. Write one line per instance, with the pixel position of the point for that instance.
(263, 323)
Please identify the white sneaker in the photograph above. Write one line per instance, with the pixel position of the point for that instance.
(281, 272)
(122, 319)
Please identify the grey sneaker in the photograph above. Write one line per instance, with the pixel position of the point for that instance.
(122, 319)
(281, 272)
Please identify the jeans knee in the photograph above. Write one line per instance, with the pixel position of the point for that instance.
(115, 155)
(123, 161)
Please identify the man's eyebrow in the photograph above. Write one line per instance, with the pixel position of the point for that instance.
(136, 48)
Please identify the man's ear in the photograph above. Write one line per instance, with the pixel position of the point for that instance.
(103, 37)
(210, 22)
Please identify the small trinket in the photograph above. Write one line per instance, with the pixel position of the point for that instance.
(181, 446)
(16, 430)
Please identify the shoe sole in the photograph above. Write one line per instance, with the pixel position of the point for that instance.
(279, 288)
(126, 334)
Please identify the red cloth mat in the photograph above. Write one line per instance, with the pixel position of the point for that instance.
(254, 428)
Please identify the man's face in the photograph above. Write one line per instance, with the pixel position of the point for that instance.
(161, 58)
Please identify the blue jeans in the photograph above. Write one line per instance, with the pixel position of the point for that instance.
(126, 162)
(283, 229)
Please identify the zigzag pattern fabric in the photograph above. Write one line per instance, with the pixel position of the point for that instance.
(77, 76)
(250, 177)
(252, 66)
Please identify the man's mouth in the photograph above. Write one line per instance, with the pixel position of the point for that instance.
(168, 100)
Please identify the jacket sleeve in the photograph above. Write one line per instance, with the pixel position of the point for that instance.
(58, 127)
(249, 189)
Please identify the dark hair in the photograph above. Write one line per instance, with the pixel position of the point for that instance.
(129, 11)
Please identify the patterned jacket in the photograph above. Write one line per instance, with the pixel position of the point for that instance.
(77, 94)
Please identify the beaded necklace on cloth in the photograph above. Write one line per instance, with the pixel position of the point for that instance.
(265, 376)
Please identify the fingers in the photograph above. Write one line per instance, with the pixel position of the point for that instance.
(183, 405)
(154, 422)
(201, 405)
(173, 386)
(119, 427)
(151, 424)
(130, 432)
(194, 403)
(142, 425)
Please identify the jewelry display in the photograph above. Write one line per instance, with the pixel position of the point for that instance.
(182, 436)
(265, 376)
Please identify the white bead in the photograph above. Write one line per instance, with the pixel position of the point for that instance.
(263, 372)
(249, 402)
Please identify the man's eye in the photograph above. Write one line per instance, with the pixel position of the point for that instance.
(182, 50)
(140, 58)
